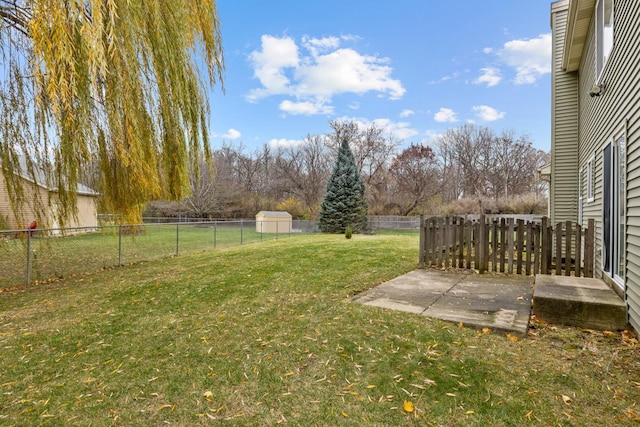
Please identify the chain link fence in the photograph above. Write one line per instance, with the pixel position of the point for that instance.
(33, 256)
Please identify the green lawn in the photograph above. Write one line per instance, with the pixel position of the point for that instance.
(265, 334)
(59, 257)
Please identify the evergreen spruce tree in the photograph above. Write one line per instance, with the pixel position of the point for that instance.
(344, 204)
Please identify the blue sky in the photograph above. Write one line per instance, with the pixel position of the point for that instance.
(412, 67)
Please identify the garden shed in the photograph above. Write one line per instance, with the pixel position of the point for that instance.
(278, 222)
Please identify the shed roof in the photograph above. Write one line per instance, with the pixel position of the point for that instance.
(275, 213)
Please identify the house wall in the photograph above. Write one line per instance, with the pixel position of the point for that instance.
(87, 208)
(601, 118)
(87, 211)
(26, 214)
(564, 126)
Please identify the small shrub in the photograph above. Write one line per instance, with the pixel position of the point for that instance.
(348, 232)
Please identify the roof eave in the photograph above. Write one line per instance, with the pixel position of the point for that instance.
(579, 18)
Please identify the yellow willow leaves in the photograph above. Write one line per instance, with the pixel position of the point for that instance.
(167, 405)
(125, 72)
(408, 406)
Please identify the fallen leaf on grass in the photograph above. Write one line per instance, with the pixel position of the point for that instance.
(486, 331)
(528, 415)
(631, 414)
(629, 337)
(165, 406)
(408, 406)
(512, 338)
(344, 414)
(567, 399)
(460, 325)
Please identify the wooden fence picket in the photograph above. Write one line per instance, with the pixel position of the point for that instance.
(504, 245)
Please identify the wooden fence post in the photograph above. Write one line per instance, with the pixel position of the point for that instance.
(480, 248)
(588, 248)
(579, 256)
(447, 241)
(510, 232)
(558, 232)
(527, 263)
(546, 247)
(461, 235)
(423, 246)
(567, 252)
(519, 245)
(503, 244)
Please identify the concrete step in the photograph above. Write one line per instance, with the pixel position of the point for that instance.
(578, 301)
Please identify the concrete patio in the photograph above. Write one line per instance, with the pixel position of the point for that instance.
(500, 302)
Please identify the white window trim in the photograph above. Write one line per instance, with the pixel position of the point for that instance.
(603, 52)
(580, 195)
(590, 169)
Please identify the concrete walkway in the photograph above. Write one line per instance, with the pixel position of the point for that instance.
(501, 303)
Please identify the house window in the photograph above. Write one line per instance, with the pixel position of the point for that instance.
(604, 34)
(590, 166)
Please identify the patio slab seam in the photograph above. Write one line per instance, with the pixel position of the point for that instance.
(500, 303)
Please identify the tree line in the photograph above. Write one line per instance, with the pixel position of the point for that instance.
(468, 169)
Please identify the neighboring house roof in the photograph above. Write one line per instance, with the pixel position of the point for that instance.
(578, 21)
(39, 178)
(545, 170)
(275, 213)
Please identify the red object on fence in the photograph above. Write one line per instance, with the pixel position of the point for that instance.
(33, 225)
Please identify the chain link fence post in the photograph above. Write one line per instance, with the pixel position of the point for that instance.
(28, 258)
(120, 245)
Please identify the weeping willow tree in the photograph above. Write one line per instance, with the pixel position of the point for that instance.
(114, 86)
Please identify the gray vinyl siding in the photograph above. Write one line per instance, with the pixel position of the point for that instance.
(564, 129)
(601, 118)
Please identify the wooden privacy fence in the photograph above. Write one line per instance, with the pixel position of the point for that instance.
(507, 245)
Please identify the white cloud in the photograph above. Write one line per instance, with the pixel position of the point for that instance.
(445, 115)
(490, 76)
(317, 46)
(305, 107)
(432, 136)
(443, 79)
(406, 113)
(345, 70)
(531, 58)
(231, 134)
(270, 63)
(488, 114)
(284, 143)
(316, 71)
